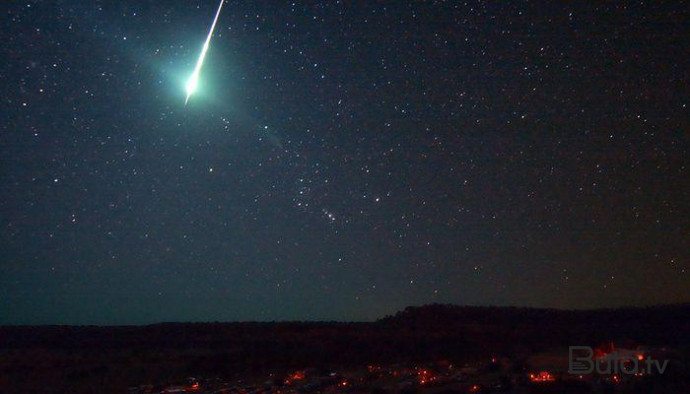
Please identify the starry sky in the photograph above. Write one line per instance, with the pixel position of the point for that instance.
(340, 160)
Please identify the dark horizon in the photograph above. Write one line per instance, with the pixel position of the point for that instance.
(340, 161)
(434, 340)
(483, 308)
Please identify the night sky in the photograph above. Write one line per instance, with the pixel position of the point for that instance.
(340, 160)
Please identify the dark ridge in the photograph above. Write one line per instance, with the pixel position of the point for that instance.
(76, 358)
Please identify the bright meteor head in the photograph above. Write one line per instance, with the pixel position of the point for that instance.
(192, 84)
(193, 81)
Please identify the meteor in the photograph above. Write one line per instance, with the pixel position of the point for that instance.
(193, 80)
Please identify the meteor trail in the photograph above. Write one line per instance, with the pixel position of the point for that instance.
(193, 80)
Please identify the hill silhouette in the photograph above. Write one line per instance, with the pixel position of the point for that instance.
(76, 359)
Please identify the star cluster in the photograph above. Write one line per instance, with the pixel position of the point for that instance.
(340, 161)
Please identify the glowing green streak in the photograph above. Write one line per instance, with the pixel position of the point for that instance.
(193, 80)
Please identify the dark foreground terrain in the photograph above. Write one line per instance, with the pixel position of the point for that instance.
(436, 348)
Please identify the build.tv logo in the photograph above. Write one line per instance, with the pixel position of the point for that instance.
(582, 361)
